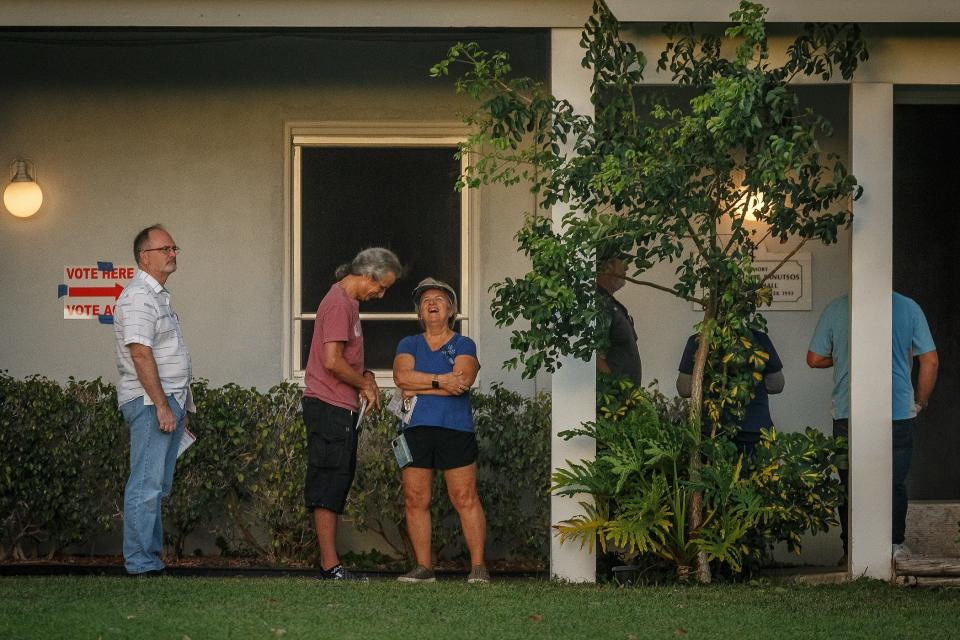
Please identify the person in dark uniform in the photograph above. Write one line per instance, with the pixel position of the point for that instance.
(621, 357)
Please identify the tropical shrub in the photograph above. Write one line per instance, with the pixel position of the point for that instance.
(795, 476)
(641, 486)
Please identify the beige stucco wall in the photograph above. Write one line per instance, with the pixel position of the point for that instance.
(192, 135)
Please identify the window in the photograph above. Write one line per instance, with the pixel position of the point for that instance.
(356, 191)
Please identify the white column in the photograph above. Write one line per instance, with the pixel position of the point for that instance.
(871, 119)
(574, 385)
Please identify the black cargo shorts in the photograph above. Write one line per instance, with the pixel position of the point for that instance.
(331, 454)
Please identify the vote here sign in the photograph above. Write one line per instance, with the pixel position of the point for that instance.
(90, 292)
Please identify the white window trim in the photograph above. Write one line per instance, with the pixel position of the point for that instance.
(399, 134)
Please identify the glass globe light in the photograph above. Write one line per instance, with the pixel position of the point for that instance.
(23, 196)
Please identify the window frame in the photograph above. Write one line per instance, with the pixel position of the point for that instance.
(360, 134)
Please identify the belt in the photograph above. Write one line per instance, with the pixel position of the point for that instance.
(312, 400)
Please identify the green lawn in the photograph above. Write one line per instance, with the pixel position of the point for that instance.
(200, 608)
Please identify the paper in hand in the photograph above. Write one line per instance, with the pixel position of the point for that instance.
(361, 413)
(402, 407)
(186, 440)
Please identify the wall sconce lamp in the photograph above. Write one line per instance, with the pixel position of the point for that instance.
(755, 202)
(23, 196)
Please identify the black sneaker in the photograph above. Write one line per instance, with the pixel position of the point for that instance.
(339, 573)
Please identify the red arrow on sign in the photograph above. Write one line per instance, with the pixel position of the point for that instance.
(96, 292)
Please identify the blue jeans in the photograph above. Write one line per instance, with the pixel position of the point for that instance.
(153, 456)
(902, 455)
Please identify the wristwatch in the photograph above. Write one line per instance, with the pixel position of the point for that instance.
(435, 383)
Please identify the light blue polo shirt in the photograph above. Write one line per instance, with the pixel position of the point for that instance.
(911, 337)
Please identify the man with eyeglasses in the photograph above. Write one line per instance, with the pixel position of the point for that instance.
(335, 381)
(153, 393)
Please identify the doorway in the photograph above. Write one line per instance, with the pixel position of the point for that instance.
(926, 267)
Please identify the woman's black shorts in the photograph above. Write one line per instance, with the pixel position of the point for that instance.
(331, 454)
(441, 448)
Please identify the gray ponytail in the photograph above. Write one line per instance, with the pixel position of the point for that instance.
(375, 262)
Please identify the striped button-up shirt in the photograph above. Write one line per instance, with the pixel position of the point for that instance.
(144, 316)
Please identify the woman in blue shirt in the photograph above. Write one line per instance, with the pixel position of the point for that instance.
(437, 369)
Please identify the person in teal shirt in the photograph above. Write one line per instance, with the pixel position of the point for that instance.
(830, 347)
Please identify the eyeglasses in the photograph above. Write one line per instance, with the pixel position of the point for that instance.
(434, 300)
(175, 249)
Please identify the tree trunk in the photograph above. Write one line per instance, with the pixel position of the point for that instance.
(405, 550)
(695, 417)
(233, 507)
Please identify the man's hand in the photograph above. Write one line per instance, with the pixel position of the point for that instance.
(370, 391)
(602, 365)
(165, 418)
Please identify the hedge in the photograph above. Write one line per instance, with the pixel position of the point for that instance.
(63, 466)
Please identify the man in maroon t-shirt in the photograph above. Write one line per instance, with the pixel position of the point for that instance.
(335, 381)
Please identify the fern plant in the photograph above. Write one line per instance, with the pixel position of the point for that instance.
(641, 486)
(637, 481)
